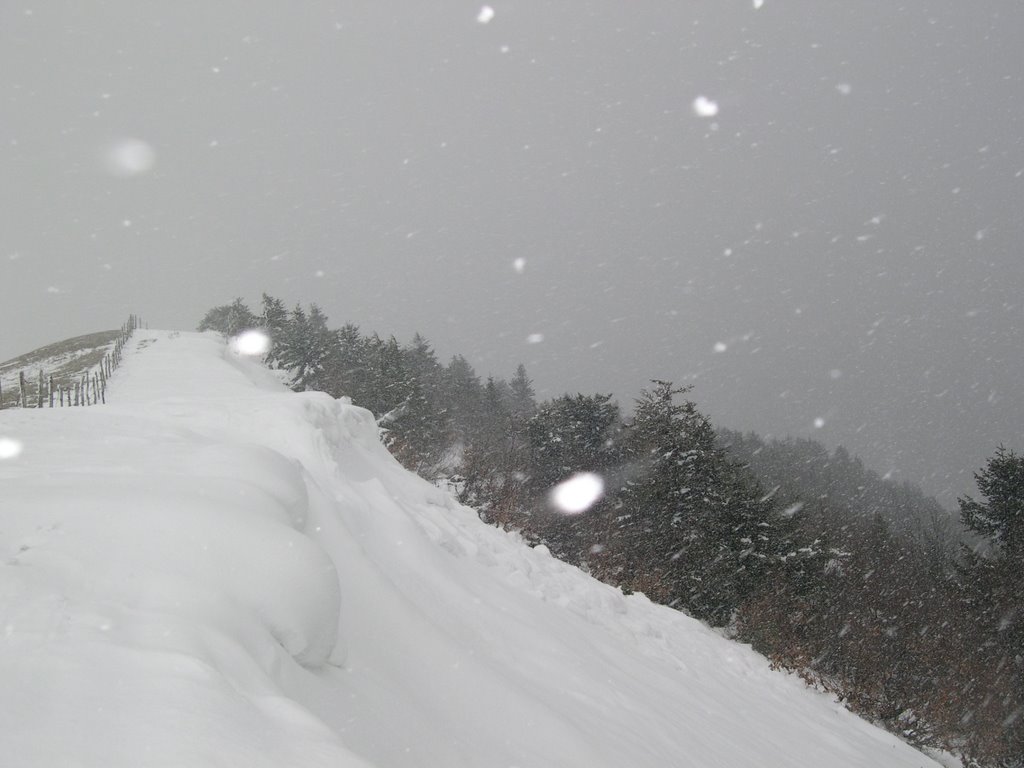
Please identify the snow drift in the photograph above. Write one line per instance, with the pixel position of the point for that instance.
(212, 570)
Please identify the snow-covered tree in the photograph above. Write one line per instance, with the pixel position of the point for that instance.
(694, 529)
(569, 435)
(230, 319)
(274, 320)
(306, 348)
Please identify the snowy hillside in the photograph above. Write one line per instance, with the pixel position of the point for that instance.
(65, 361)
(212, 570)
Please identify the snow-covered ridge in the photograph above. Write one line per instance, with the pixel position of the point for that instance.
(213, 570)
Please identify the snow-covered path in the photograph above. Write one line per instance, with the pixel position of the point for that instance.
(214, 571)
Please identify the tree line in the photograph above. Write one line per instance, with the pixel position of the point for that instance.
(864, 587)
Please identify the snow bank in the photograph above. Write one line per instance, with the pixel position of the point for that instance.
(214, 571)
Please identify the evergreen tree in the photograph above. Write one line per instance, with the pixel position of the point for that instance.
(423, 366)
(274, 320)
(992, 586)
(483, 455)
(569, 435)
(494, 468)
(415, 433)
(463, 397)
(418, 427)
(1000, 517)
(348, 371)
(392, 382)
(230, 319)
(306, 347)
(522, 404)
(695, 530)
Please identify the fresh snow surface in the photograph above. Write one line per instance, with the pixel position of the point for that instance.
(214, 571)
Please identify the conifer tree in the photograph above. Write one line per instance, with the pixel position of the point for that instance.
(306, 347)
(463, 396)
(274, 320)
(695, 530)
(522, 404)
(1000, 517)
(230, 319)
(348, 371)
(992, 588)
(418, 429)
(569, 435)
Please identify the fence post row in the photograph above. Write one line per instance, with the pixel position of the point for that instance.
(88, 389)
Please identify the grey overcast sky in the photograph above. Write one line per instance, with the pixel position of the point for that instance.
(837, 252)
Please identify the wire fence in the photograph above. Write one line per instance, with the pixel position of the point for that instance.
(88, 387)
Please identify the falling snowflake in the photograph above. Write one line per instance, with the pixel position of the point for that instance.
(129, 157)
(792, 509)
(535, 338)
(578, 493)
(10, 448)
(705, 107)
(253, 342)
(485, 15)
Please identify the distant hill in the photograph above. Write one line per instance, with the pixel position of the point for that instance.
(831, 490)
(65, 360)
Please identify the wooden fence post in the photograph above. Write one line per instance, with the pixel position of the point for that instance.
(88, 389)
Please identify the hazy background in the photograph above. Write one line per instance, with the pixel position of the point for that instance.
(836, 253)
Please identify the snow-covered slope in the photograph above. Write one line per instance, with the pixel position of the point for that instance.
(66, 361)
(214, 571)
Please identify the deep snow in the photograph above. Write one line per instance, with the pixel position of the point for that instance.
(212, 570)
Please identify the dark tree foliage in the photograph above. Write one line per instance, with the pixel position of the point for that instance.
(408, 392)
(692, 529)
(1000, 517)
(993, 595)
(349, 369)
(230, 319)
(495, 461)
(306, 347)
(463, 401)
(569, 435)
(274, 321)
(522, 404)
